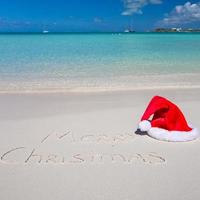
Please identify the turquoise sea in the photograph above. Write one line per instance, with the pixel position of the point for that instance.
(79, 62)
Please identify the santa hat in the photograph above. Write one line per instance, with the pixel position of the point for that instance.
(168, 122)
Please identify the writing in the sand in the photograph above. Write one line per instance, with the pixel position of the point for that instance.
(42, 153)
(22, 155)
(71, 137)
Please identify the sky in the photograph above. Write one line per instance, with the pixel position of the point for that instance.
(97, 15)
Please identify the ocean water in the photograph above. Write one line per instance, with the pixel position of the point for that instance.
(96, 62)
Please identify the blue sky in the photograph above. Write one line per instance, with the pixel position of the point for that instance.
(97, 15)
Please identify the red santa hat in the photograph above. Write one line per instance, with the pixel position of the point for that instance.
(168, 122)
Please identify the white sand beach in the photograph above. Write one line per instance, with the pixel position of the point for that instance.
(82, 146)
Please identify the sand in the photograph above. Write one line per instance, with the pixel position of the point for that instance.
(83, 146)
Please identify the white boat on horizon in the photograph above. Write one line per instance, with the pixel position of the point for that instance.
(129, 31)
(45, 31)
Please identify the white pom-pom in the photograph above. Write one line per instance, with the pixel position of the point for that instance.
(144, 125)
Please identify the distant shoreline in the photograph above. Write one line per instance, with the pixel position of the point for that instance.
(63, 33)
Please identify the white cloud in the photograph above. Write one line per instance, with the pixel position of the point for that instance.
(183, 14)
(135, 6)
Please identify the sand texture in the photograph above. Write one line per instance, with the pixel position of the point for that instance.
(84, 147)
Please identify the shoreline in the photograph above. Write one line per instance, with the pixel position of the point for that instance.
(96, 90)
(112, 84)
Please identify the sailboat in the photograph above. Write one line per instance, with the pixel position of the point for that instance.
(45, 29)
(130, 29)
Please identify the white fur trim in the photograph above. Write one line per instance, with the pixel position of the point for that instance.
(173, 136)
(144, 125)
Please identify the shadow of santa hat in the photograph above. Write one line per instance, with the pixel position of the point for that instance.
(168, 122)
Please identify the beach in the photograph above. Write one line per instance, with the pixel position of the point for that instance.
(82, 145)
(70, 105)
(99, 100)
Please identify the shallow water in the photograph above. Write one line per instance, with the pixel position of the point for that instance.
(98, 61)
